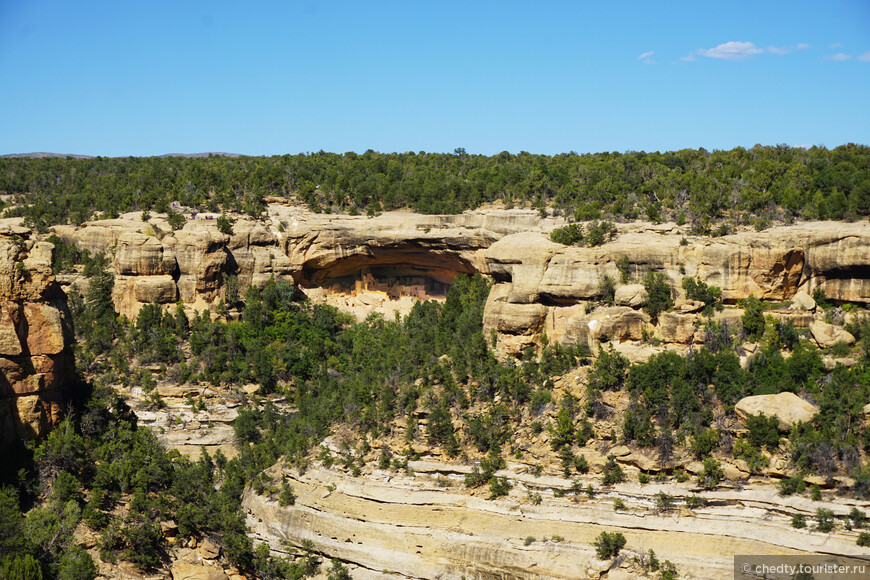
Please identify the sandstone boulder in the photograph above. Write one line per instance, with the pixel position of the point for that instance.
(674, 327)
(49, 330)
(184, 571)
(521, 259)
(689, 306)
(803, 301)
(631, 295)
(10, 342)
(788, 408)
(208, 549)
(827, 335)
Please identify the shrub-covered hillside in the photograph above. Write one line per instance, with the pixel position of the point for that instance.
(762, 182)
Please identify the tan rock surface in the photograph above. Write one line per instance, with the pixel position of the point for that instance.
(511, 245)
(184, 571)
(138, 254)
(827, 335)
(404, 525)
(36, 361)
(803, 301)
(774, 264)
(674, 327)
(788, 408)
(630, 295)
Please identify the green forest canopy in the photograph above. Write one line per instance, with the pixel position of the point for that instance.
(764, 182)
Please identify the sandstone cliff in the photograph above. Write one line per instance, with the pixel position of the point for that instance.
(36, 361)
(540, 286)
(155, 264)
(423, 526)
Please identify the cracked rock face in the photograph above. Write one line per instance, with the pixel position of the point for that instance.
(415, 527)
(540, 286)
(36, 336)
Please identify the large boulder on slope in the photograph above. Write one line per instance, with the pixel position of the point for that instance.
(788, 408)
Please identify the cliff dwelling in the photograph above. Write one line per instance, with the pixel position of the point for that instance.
(387, 289)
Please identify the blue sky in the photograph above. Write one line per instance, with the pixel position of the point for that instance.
(261, 78)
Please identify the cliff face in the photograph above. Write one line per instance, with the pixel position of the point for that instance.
(154, 264)
(540, 286)
(423, 526)
(36, 361)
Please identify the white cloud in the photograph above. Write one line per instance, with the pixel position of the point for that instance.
(734, 50)
(802, 46)
(646, 55)
(838, 56)
(778, 49)
(690, 58)
(836, 45)
(865, 57)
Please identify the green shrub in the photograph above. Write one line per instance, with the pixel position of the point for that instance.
(798, 521)
(664, 502)
(763, 431)
(606, 289)
(613, 472)
(623, 264)
(705, 442)
(820, 297)
(668, 571)
(498, 487)
(76, 564)
(176, 220)
(608, 545)
(286, 497)
(753, 318)
(570, 235)
(658, 292)
(225, 225)
(599, 233)
(711, 475)
(863, 539)
(696, 289)
(21, 567)
(857, 517)
(791, 485)
(824, 520)
(695, 501)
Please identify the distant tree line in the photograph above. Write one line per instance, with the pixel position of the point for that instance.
(697, 186)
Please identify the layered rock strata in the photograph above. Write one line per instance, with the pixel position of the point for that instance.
(155, 264)
(414, 527)
(544, 287)
(540, 286)
(36, 361)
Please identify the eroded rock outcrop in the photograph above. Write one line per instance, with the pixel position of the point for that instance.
(788, 408)
(155, 264)
(36, 362)
(418, 527)
(532, 274)
(538, 283)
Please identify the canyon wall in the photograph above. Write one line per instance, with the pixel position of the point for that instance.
(539, 286)
(36, 361)
(543, 287)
